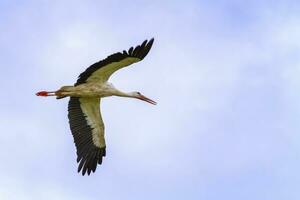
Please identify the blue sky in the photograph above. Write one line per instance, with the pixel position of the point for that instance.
(224, 74)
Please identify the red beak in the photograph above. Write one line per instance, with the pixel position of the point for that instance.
(142, 97)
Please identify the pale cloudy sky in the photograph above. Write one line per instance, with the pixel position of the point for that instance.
(224, 74)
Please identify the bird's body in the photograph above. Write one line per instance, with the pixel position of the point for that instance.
(85, 119)
(88, 90)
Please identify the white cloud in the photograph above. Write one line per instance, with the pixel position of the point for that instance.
(210, 80)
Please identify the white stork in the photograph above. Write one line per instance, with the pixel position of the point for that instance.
(84, 106)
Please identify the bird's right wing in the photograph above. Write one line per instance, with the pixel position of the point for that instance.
(102, 70)
(88, 131)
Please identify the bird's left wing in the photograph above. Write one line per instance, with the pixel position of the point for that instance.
(88, 131)
(102, 70)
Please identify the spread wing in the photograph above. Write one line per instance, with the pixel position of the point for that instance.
(88, 131)
(102, 70)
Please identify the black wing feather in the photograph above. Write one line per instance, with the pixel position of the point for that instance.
(137, 52)
(88, 155)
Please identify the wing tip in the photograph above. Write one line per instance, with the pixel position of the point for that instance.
(151, 40)
(89, 162)
(142, 50)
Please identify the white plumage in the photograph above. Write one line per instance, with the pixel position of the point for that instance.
(84, 115)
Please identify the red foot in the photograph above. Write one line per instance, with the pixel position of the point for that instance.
(42, 93)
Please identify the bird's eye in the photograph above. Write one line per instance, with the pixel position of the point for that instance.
(138, 93)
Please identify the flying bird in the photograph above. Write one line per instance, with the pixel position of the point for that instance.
(84, 113)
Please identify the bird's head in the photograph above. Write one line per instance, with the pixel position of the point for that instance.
(138, 95)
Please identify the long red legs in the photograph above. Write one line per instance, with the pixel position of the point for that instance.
(45, 93)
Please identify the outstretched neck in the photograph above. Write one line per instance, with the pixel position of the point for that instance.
(123, 94)
(115, 92)
(136, 95)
